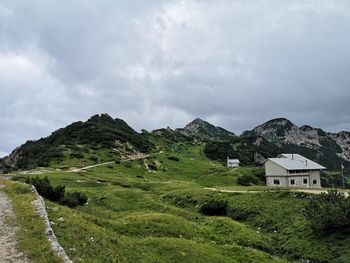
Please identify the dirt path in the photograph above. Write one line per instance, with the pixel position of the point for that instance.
(8, 245)
(142, 156)
(310, 191)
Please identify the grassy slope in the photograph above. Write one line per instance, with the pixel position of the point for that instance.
(136, 215)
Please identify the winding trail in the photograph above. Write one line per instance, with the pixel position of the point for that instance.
(136, 157)
(9, 252)
(300, 190)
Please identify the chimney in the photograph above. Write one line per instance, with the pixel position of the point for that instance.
(305, 162)
(292, 157)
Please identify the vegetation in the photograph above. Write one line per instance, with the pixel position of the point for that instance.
(162, 208)
(243, 148)
(57, 193)
(214, 207)
(329, 212)
(77, 141)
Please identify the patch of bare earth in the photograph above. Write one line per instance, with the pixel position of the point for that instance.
(9, 251)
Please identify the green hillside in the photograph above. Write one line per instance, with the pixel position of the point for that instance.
(81, 143)
(160, 197)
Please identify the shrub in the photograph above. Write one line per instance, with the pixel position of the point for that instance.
(153, 167)
(94, 158)
(247, 180)
(328, 211)
(77, 155)
(173, 158)
(80, 197)
(45, 189)
(214, 208)
(57, 193)
(69, 201)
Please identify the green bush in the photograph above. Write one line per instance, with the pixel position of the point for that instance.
(77, 155)
(45, 189)
(173, 158)
(152, 166)
(94, 158)
(214, 208)
(328, 212)
(80, 197)
(69, 201)
(57, 193)
(247, 180)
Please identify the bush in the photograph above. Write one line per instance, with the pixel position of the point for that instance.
(173, 158)
(94, 158)
(57, 193)
(80, 197)
(69, 201)
(214, 208)
(45, 189)
(152, 166)
(77, 155)
(247, 180)
(328, 212)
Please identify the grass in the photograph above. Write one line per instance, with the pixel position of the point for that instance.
(139, 215)
(31, 229)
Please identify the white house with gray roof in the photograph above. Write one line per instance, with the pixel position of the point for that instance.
(292, 170)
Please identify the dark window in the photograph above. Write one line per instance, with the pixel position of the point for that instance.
(305, 180)
(292, 181)
(276, 181)
(314, 181)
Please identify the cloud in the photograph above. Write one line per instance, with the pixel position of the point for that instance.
(158, 63)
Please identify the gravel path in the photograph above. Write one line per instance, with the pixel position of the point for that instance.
(9, 252)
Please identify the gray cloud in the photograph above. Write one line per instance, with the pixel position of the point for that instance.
(157, 63)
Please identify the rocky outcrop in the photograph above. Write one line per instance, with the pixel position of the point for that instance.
(284, 132)
(204, 130)
(343, 140)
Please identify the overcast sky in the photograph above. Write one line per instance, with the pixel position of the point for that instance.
(235, 63)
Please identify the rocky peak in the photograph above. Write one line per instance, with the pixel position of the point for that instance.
(203, 129)
(284, 132)
(275, 127)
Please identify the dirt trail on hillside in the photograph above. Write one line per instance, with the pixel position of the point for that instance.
(9, 252)
(136, 157)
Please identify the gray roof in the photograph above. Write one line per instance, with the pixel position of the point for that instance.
(233, 161)
(296, 162)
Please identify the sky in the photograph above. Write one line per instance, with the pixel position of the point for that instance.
(234, 63)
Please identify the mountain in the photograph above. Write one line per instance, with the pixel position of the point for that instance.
(99, 136)
(330, 149)
(201, 129)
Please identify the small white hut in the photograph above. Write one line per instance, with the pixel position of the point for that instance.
(232, 162)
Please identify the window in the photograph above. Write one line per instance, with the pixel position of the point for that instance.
(276, 181)
(292, 181)
(305, 181)
(314, 181)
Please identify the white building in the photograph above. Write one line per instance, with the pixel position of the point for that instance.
(292, 170)
(232, 162)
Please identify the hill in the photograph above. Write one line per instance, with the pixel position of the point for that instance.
(329, 149)
(85, 141)
(203, 130)
(159, 207)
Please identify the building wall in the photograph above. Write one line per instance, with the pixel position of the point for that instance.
(315, 175)
(272, 169)
(285, 181)
(282, 179)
